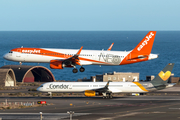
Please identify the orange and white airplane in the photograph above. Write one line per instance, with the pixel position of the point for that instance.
(60, 58)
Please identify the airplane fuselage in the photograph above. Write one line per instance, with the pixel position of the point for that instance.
(115, 87)
(86, 57)
(106, 89)
(60, 58)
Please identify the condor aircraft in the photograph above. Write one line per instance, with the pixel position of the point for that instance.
(104, 89)
(60, 58)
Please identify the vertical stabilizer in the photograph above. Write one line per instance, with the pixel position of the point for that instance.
(163, 76)
(142, 51)
(145, 46)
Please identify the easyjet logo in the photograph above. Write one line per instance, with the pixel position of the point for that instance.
(145, 42)
(31, 51)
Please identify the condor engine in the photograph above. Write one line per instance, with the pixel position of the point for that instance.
(91, 93)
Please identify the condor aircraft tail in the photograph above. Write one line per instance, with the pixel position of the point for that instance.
(142, 51)
(160, 81)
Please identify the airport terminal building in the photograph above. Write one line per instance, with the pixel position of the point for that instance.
(124, 77)
(115, 77)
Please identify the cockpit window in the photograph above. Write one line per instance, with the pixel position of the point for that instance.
(10, 51)
(41, 86)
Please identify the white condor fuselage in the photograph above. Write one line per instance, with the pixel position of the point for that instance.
(106, 89)
(115, 87)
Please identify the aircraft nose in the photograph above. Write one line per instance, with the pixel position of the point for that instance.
(38, 88)
(6, 56)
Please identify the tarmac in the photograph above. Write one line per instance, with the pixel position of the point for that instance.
(96, 108)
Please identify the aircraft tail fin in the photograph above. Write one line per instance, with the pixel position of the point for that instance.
(162, 78)
(142, 52)
(145, 46)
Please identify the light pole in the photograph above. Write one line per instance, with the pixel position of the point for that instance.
(70, 114)
(41, 117)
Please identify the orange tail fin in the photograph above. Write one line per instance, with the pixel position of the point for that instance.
(142, 51)
(145, 46)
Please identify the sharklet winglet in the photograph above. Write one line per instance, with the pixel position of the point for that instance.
(78, 53)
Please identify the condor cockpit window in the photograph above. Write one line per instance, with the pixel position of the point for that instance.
(41, 86)
(10, 51)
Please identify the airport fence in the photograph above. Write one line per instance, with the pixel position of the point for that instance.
(13, 105)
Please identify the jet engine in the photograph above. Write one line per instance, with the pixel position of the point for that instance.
(56, 64)
(91, 93)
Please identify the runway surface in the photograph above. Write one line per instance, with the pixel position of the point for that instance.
(126, 108)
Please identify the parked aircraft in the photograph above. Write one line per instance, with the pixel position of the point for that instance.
(60, 58)
(106, 89)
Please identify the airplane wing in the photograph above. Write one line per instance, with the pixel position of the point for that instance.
(75, 58)
(69, 62)
(104, 89)
(110, 47)
(100, 91)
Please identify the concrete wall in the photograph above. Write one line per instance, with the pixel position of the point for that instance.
(121, 77)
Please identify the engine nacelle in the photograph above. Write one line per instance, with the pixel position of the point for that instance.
(91, 93)
(56, 64)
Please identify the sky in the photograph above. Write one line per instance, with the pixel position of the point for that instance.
(89, 15)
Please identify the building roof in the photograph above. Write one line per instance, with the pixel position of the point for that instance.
(4, 72)
(22, 72)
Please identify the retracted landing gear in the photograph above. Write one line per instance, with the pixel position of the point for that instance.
(82, 69)
(107, 95)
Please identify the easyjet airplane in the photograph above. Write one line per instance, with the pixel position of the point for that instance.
(60, 58)
(104, 89)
